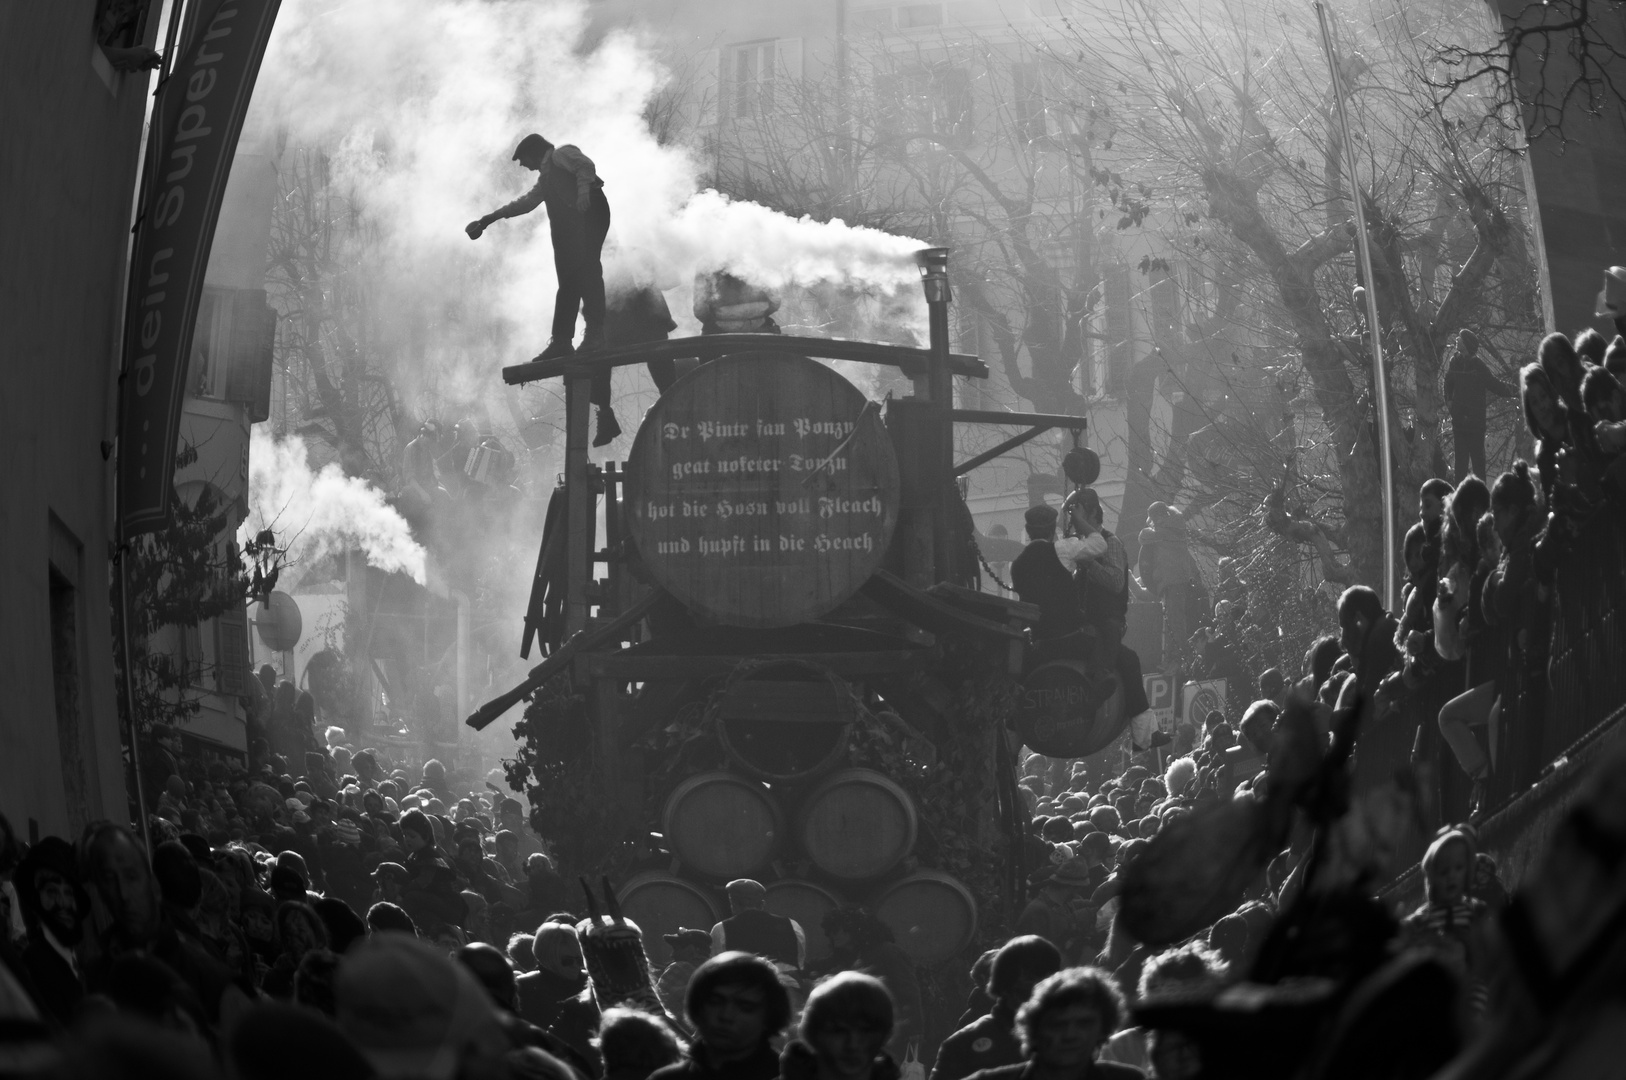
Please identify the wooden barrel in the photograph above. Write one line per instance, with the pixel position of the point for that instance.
(1051, 712)
(932, 915)
(662, 904)
(785, 721)
(806, 903)
(722, 825)
(857, 825)
(762, 490)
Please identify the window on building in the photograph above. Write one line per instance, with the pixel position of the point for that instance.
(1028, 100)
(873, 18)
(75, 741)
(211, 340)
(1120, 329)
(1166, 328)
(231, 651)
(65, 682)
(751, 80)
(931, 100)
(755, 77)
(917, 16)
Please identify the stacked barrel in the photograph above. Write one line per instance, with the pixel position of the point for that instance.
(785, 801)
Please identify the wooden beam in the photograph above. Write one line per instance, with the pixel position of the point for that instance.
(994, 416)
(930, 612)
(561, 656)
(912, 361)
(643, 667)
(1003, 448)
(579, 502)
(988, 605)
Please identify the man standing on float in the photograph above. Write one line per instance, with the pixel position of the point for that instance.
(579, 219)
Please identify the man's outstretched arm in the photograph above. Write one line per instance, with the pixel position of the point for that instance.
(522, 205)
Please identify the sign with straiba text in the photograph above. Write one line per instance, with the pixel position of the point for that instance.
(762, 490)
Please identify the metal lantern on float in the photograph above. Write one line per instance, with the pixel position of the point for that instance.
(279, 622)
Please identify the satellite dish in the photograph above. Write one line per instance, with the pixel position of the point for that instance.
(279, 622)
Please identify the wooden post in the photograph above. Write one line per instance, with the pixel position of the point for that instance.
(578, 501)
(613, 602)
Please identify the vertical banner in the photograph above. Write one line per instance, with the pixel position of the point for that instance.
(196, 120)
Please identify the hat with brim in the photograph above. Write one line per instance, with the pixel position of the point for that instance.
(687, 937)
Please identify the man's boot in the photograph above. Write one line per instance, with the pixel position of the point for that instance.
(609, 428)
(556, 348)
(592, 339)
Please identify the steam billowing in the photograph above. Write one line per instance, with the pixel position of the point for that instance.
(415, 107)
(422, 103)
(320, 513)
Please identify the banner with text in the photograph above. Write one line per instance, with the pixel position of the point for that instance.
(196, 120)
(762, 490)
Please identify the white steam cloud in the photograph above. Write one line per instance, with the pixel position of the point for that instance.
(318, 513)
(421, 103)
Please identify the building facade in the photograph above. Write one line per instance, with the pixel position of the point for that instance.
(73, 127)
(229, 390)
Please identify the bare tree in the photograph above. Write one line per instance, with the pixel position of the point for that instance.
(1550, 60)
(330, 343)
(1228, 106)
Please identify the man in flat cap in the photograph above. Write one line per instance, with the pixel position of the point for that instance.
(753, 928)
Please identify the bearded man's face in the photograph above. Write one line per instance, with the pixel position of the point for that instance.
(58, 906)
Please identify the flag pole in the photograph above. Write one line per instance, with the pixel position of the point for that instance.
(1380, 379)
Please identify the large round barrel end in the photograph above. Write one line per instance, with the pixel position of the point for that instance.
(932, 915)
(807, 903)
(662, 904)
(721, 825)
(857, 825)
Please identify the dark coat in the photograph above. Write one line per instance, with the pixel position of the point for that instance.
(988, 1043)
(763, 933)
(562, 1008)
(1039, 578)
(55, 988)
(762, 1065)
(1099, 1070)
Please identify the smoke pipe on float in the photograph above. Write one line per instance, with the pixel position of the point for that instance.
(933, 263)
(939, 393)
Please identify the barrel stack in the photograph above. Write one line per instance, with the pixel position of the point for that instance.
(852, 842)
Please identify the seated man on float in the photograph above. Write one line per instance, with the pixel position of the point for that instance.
(1041, 578)
(1101, 571)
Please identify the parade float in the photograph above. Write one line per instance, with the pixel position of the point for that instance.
(775, 662)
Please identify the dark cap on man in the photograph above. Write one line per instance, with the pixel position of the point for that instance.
(1041, 518)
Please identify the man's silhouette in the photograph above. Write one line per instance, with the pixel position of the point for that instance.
(579, 219)
(1467, 382)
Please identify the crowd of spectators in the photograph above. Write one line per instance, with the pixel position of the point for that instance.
(318, 911)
